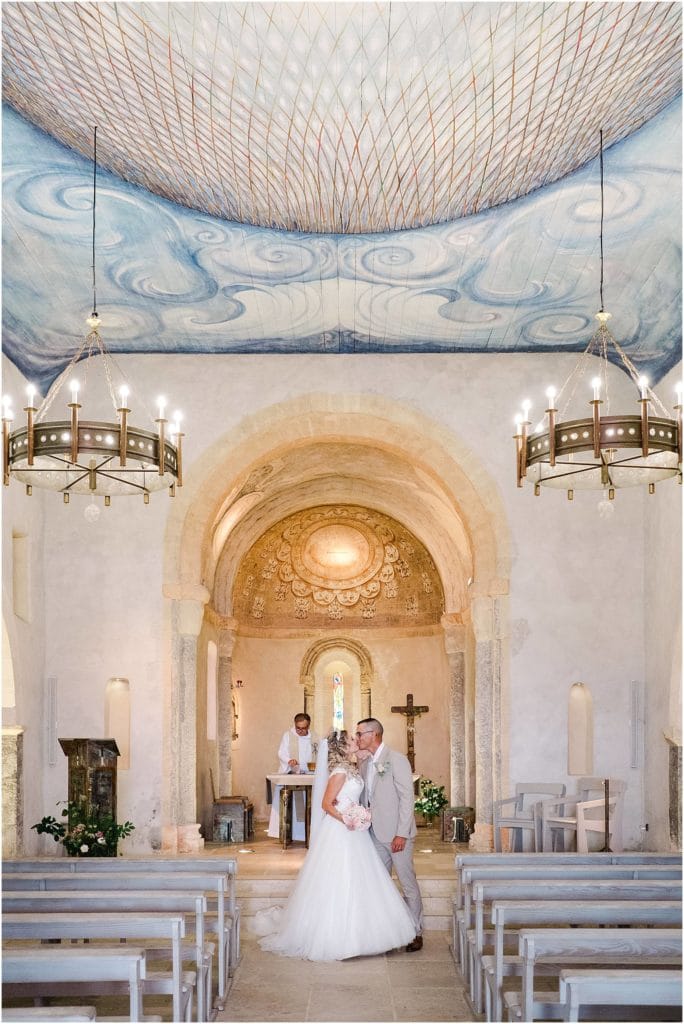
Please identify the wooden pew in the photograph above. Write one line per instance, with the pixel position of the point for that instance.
(632, 989)
(462, 918)
(36, 971)
(118, 926)
(515, 914)
(41, 1014)
(618, 947)
(159, 878)
(474, 860)
(126, 901)
(153, 863)
(574, 886)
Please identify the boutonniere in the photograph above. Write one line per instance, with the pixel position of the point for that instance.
(381, 769)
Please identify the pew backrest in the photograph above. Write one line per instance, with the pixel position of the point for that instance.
(157, 925)
(106, 865)
(472, 860)
(618, 988)
(575, 890)
(514, 914)
(609, 873)
(77, 964)
(658, 946)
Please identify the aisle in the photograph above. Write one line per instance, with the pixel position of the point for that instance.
(398, 986)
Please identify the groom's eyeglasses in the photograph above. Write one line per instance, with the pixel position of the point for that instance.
(360, 734)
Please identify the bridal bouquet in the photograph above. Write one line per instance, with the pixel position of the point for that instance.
(357, 817)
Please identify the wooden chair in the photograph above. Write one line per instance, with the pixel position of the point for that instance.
(583, 814)
(517, 813)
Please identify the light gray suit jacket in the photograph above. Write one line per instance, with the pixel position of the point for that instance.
(391, 799)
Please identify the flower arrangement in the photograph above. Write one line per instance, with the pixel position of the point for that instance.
(357, 818)
(431, 800)
(381, 769)
(82, 834)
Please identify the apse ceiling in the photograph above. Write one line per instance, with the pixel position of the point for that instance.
(303, 177)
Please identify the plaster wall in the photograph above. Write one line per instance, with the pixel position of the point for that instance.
(272, 694)
(25, 637)
(663, 618)
(577, 585)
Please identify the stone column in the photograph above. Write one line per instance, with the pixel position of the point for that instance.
(227, 632)
(455, 643)
(486, 616)
(12, 791)
(181, 834)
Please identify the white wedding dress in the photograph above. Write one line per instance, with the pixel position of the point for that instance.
(344, 902)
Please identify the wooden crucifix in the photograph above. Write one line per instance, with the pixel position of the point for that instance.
(411, 710)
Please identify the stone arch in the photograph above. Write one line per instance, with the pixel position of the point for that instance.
(191, 552)
(471, 548)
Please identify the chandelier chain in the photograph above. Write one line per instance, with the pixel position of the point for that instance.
(94, 312)
(601, 226)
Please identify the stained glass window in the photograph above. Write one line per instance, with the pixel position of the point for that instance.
(338, 701)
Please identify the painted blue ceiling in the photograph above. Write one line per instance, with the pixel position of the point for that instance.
(518, 278)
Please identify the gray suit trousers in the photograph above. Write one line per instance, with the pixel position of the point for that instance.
(403, 866)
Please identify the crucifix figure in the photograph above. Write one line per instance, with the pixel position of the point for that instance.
(410, 710)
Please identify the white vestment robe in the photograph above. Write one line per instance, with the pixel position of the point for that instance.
(292, 745)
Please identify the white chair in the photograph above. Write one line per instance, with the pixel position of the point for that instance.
(519, 814)
(584, 814)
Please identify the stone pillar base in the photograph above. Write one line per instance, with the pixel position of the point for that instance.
(169, 839)
(482, 839)
(189, 839)
(181, 839)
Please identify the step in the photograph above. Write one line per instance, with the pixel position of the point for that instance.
(255, 894)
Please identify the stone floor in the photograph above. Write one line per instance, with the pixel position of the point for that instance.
(398, 986)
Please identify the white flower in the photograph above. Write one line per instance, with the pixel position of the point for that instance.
(102, 840)
(382, 768)
(84, 848)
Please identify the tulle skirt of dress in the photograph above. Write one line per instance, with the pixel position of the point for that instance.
(344, 902)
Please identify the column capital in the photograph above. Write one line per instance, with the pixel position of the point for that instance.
(186, 592)
(191, 599)
(221, 623)
(454, 634)
(492, 587)
(227, 636)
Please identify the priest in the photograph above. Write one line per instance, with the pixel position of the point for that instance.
(298, 747)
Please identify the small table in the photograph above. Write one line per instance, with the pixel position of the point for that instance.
(289, 783)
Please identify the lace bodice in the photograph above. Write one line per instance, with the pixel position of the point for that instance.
(351, 789)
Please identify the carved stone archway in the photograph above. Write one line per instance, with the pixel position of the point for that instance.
(471, 542)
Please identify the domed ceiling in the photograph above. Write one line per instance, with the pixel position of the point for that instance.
(337, 565)
(303, 177)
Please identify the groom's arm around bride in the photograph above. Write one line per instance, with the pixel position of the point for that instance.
(389, 795)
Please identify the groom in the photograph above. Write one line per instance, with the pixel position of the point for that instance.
(388, 793)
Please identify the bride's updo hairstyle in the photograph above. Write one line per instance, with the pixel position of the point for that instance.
(337, 750)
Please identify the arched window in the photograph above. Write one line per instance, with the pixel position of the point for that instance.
(338, 701)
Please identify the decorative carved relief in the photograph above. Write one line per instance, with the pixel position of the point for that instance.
(338, 563)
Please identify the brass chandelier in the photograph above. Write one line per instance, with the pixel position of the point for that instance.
(77, 456)
(600, 451)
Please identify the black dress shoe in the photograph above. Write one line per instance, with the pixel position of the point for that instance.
(414, 946)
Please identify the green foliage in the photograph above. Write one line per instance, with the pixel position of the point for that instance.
(431, 800)
(84, 835)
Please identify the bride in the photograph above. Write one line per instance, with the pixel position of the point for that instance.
(344, 903)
